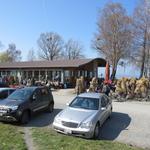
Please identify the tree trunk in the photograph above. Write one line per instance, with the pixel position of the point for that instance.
(143, 57)
(113, 74)
(142, 68)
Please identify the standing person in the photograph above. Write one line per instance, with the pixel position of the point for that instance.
(28, 82)
(32, 81)
(24, 82)
(106, 89)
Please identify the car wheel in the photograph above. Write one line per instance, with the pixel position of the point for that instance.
(51, 108)
(25, 117)
(96, 131)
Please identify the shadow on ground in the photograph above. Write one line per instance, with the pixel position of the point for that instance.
(113, 126)
(109, 131)
(43, 119)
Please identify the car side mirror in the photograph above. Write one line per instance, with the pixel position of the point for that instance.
(33, 97)
(103, 108)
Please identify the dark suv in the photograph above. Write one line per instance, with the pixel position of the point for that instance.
(21, 104)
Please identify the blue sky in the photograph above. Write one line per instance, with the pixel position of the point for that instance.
(22, 21)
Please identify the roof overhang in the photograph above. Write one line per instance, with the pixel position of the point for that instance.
(53, 64)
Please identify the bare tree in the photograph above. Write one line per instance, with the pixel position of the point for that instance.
(113, 38)
(13, 53)
(73, 50)
(141, 23)
(50, 45)
(31, 55)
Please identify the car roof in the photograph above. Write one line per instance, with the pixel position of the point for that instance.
(7, 88)
(33, 87)
(91, 95)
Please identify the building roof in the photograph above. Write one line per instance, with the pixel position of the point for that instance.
(52, 64)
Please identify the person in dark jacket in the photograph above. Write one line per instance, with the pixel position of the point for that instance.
(106, 89)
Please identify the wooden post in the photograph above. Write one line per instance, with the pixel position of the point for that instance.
(32, 73)
(39, 75)
(62, 76)
(27, 74)
(95, 70)
(46, 74)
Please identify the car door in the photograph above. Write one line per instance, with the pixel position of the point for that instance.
(108, 106)
(45, 97)
(103, 108)
(36, 101)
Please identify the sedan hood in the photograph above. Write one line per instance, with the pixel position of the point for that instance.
(10, 102)
(76, 115)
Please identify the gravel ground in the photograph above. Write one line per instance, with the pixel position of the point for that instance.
(129, 123)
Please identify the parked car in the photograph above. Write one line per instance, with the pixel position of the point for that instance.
(3, 84)
(5, 92)
(23, 103)
(84, 115)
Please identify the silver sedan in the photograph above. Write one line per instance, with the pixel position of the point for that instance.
(84, 115)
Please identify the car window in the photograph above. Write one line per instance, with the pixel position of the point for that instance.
(3, 94)
(21, 94)
(44, 91)
(10, 91)
(103, 102)
(107, 99)
(37, 94)
(85, 103)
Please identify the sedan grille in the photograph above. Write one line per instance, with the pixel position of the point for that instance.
(70, 124)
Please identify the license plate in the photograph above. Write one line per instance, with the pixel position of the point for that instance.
(67, 131)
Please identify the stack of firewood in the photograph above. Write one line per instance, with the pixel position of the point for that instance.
(80, 85)
(93, 85)
(130, 88)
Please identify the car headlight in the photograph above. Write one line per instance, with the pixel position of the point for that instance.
(86, 125)
(57, 120)
(13, 108)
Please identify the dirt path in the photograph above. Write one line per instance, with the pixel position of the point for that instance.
(28, 139)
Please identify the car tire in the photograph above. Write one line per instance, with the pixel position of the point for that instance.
(25, 117)
(96, 131)
(50, 108)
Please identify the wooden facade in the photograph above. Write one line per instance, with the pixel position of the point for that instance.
(64, 70)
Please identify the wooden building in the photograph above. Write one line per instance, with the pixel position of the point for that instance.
(64, 70)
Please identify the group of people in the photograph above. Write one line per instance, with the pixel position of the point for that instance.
(9, 80)
(105, 88)
(98, 85)
(14, 81)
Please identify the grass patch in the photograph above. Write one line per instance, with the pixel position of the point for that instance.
(11, 138)
(47, 139)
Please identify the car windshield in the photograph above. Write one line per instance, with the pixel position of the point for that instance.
(85, 103)
(21, 94)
